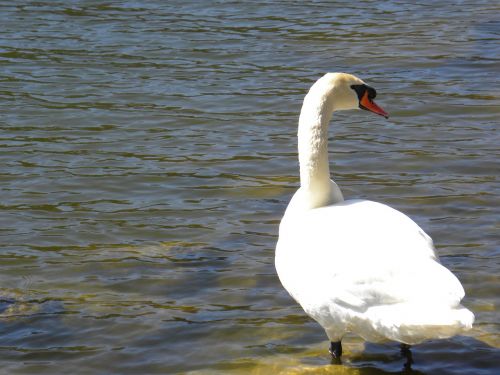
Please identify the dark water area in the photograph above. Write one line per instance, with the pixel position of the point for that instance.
(148, 151)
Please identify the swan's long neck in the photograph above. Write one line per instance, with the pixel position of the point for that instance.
(314, 118)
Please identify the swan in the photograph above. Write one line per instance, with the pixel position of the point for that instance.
(355, 265)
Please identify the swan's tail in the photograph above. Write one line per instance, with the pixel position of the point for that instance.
(410, 324)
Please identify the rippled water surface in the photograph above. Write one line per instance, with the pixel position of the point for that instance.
(148, 151)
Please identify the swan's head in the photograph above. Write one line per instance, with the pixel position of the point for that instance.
(350, 92)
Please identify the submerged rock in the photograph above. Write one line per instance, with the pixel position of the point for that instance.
(15, 303)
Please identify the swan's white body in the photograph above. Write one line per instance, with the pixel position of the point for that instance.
(359, 266)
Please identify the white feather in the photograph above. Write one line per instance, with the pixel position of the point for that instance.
(356, 265)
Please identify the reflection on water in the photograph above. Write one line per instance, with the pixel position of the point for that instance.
(148, 152)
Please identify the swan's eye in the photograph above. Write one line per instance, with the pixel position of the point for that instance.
(361, 89)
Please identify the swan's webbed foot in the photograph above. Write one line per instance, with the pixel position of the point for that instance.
(406, 352)
(336, 350)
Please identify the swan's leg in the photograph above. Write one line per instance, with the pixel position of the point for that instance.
(405, 348)
(336, 349)
(406, 352)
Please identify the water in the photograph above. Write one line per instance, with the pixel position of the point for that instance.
(148, 152)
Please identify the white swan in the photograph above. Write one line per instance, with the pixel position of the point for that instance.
(355, 265)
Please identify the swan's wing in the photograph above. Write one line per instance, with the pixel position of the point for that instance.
(361, 254)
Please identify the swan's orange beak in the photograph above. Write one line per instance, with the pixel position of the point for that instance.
(369, 105)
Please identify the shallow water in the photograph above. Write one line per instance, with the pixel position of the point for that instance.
(148, 152)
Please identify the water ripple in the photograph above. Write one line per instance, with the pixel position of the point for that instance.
(149, 151)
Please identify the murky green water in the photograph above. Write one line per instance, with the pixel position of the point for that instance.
(148, 152)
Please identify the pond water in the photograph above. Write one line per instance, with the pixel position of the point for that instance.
(148, 152)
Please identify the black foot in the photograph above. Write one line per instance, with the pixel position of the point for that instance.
(406, 352)
(336, 349)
